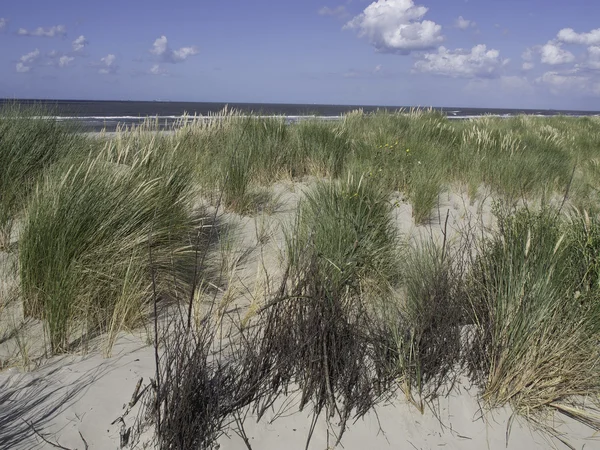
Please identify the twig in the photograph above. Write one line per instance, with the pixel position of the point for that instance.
(83, 439)
(444, 232)
(41, 436)
(135, 397)
(241, 431)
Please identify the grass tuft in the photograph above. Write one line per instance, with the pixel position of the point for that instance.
(536, 338)
(30, 142)
(85, 242)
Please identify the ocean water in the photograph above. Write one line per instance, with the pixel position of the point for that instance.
(95, 115)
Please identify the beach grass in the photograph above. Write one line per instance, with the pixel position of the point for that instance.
(28, 145)
(321, 327)
(109, 225)
(425, 319)
(91, 237)
(535, 305)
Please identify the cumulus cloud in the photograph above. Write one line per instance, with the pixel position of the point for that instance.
(157, 70)
(396, 26)
(108, 65)
(27, 61)
(161, 49)
(479, 62)
(3, 23)
(573, 81)
(65, 60)
(57, 59)
(79, 44)
(463, 24)
(55, 31)
(593, 58)
(338, 11)
(553, 54)
(527, 66)
(569, 36)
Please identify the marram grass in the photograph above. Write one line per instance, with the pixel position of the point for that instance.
(29, 143)
(536, 313)
(85, 248)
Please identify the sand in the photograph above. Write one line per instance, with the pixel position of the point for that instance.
(75, 400)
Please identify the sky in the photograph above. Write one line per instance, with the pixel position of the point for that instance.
(454, 53)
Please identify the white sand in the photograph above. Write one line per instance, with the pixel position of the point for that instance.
(70, 395)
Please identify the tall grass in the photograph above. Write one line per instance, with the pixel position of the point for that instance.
(84, 249)
(345, 228)
(114, 225)
(426, 319)
(30, 142)
(536, 338)
(321, 329)
(417, 152)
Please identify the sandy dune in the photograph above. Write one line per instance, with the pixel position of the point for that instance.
(74, 398)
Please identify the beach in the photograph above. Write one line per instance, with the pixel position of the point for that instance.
(413, 228)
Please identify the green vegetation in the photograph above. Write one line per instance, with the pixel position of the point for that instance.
(106, 225)
(345, 235)
(321, 328)
(28, 145)
(535, 305)
(87, 240)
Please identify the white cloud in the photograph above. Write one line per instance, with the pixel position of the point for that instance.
(55, 31)
(395, 26)
(527, 66)
(338, 11)
(553, 54)
(108, 65)
(79, 43)
(27, 61)
(377, 68)
(3, 23)
(463, 23)
(527, 55)
(573, 81)
(569, 36)
(593, 57)
(161, 49)
(157, 70)
(65, 60)
(479, 62)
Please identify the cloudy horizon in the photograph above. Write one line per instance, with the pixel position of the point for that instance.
(463, 53)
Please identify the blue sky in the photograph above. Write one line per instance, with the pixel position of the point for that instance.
(480, 53)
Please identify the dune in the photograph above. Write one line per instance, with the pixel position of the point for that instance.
(78, 401)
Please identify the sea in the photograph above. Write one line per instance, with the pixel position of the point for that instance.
(94, 115)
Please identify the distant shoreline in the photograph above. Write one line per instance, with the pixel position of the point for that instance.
(114, 108)
(166, 123)
(104, 114)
